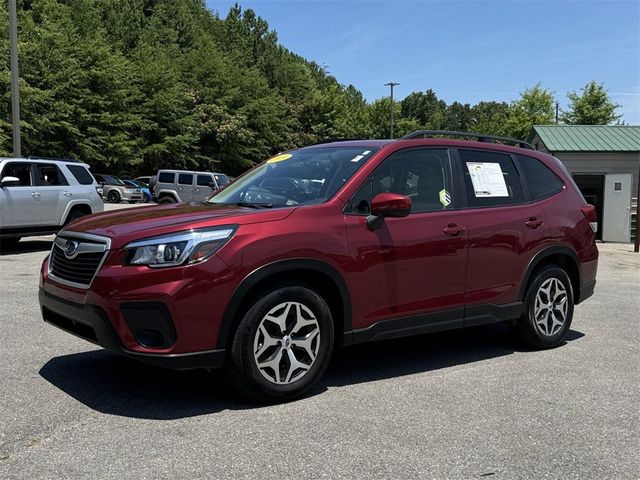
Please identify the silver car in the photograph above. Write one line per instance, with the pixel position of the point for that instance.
(116, 191)
(39, 196)
(187, 186)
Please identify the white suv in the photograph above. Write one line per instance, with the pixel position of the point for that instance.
(38, 196)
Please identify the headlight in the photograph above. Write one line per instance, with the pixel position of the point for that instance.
(179, 248)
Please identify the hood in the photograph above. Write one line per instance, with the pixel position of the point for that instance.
(126, 225)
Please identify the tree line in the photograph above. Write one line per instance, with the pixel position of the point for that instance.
(131, 86)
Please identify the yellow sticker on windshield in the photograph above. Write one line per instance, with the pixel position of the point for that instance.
(279, 158)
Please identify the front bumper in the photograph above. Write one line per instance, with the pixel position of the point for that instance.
(131, 196)
(90, 323)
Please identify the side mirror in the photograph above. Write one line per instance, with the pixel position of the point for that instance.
(10, 182)
(385, 205)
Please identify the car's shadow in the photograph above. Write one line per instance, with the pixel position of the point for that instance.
(112, 384)
(26, 246)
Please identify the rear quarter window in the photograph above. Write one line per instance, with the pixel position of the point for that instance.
(81, 174)
(166, 177)
(541, 180)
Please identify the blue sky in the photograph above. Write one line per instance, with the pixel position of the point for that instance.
(466, 50)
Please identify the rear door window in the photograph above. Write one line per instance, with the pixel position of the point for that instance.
(185, 179)
(541, 180)
(20, 170)
(166, 177)
(81, 174)
(490, 179)
(50, 175)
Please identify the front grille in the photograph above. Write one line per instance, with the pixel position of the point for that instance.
(79, 268)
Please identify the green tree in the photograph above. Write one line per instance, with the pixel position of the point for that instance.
(490, 118)
(593, 107)
(534, 107)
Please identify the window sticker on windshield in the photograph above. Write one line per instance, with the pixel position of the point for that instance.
(357, 158)
(445, 198)
(279, 158)
(487, 179)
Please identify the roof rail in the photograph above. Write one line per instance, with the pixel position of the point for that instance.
(54, 159)
(480, 136)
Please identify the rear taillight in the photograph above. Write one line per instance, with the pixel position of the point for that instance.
(589, 211)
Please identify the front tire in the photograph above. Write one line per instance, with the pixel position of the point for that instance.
(114, 196)
(282, 346)
(548, 309)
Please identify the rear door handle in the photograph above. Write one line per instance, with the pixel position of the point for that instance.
(35, 194)
(68, 194)
(533, 222)
(452, 229)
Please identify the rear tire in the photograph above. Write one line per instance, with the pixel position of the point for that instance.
(282, 346)
(548, 309)
(114, 196)
(166, 200)
(9, 243)
(74, 215)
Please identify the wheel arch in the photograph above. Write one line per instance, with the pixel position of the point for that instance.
(560, 255)
(168, 193)
(73, 206)
(317, 274)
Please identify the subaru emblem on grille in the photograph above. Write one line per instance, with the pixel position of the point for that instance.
(70, 248)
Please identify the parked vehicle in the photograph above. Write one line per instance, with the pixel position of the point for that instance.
(144, 180)
(38, 196)
(333, 244)
(146, 193)
(186, 186)
(115, 190)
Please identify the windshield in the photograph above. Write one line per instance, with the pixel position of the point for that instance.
(113, 181)
(222, 179)
(298, 177)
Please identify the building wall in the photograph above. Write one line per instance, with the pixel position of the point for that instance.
(603, 162)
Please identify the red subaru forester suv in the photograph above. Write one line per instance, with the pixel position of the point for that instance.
(332, 244)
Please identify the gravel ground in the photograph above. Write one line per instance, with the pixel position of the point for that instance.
(466, 404)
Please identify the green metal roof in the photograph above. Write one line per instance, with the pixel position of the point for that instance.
(589, 138)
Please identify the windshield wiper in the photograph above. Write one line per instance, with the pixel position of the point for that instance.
(253, 204)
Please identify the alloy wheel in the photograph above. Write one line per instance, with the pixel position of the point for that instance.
(286, 343)
(550, 308)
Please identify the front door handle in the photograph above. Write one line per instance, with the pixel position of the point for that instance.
(35, 194)
(452, 229)
(533, 222)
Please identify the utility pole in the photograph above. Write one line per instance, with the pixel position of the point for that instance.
(636, 244)
(557, 113)
(15, 93)
(391, 85)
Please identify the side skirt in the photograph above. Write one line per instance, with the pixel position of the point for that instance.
(435, 322)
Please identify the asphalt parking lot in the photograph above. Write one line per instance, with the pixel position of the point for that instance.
(469, 404)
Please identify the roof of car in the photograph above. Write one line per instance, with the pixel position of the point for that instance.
(448, 142)
(45, 159)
